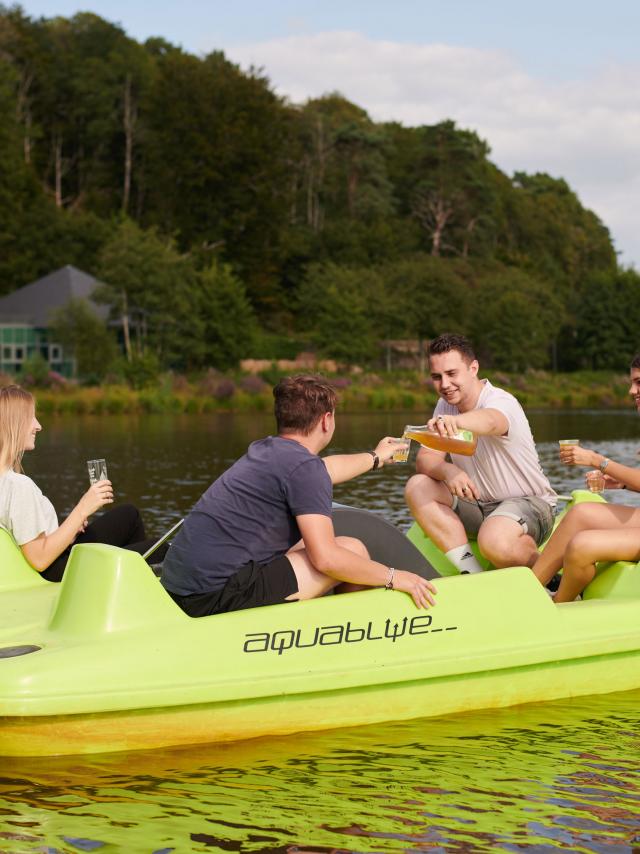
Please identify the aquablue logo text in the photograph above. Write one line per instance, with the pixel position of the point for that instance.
(285, 639)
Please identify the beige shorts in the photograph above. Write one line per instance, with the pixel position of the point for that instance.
(534, 514)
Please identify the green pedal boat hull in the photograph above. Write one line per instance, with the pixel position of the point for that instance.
(105, 661)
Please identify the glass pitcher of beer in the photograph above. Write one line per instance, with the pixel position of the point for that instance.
(464, 442)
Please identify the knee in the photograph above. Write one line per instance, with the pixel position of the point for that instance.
(418, 490)
(130, 511)
(583, 515)
(503, 549)
(491, 547)
(579, 549)
(413, 485)
(353, 545)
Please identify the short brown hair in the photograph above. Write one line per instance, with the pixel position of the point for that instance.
(451, 341)
(636, 361)
(301, 401)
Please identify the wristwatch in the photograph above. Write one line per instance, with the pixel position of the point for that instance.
(376, 460)
(603, 465)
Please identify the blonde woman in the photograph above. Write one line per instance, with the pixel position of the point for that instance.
(31, 518)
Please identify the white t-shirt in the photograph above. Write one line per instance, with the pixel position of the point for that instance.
(503, 466)
(24, 510)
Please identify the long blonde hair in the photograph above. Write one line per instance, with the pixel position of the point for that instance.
(17, 410)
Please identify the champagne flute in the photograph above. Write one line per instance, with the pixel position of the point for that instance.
(97, 470)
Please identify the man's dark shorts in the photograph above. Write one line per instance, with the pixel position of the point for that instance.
(252, 586)
(533, 514)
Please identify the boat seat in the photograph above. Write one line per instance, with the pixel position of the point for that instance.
(15, 570)
(619, 580)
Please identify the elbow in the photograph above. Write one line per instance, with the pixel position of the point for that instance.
(500, 426)
(322, 560)
(35, 561)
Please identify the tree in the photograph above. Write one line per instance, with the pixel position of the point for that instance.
(34, 237)
(607, 315)
(229, 322)
(431, 294)
(216, 172)
(152, 291)
(84, 337)
(453, 198)
(515, 318)
(334, 311)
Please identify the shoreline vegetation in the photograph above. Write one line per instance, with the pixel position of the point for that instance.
(402, 391)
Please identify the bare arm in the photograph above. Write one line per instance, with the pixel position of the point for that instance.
(484, 422)
(434, 464)
(343, 467)
(42, 551)
(575, 455)
(330, 558)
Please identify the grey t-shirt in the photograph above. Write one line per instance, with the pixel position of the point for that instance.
(247, 514)
(24, 510)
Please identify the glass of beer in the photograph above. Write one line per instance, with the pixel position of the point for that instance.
(567, 443)
(97, 470)
(401, 454)
(595, 480)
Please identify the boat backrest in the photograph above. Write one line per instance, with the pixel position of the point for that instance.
(384, 542)
(15, 570)
(106, 589)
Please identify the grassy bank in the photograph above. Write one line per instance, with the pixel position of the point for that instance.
(407, 392)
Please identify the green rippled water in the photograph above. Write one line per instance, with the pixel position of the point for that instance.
(561, 775)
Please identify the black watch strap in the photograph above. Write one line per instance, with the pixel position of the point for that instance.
(376, 460)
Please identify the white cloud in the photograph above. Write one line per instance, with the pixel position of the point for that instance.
(586, 131)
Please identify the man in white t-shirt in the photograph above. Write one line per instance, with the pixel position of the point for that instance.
(499, 494)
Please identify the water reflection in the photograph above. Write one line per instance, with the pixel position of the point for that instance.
(559, 775)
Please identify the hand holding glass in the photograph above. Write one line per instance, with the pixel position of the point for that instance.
(567, 443)
(401, 454)
(97, 470)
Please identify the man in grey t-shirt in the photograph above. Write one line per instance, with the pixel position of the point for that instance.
(499, 494)
(263, 533)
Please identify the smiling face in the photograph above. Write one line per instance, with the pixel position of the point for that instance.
(455, 379)
(30, 435)
(634, 388)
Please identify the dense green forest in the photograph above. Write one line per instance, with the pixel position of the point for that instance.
(227, 222)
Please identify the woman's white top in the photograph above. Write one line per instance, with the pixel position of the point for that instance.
(24, 510)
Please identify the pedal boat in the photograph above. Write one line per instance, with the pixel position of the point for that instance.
(105, 661)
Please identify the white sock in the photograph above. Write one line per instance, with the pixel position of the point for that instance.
(464, 559)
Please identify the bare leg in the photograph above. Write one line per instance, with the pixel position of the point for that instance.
(583, 517)
(585, 549)
(430, 503)
(504, 543)
(313, 583)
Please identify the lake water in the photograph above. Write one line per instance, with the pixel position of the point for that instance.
(563, 775)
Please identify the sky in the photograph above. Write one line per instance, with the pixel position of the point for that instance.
(551, 86)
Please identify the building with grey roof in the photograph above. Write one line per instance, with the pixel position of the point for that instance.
(25, 316)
